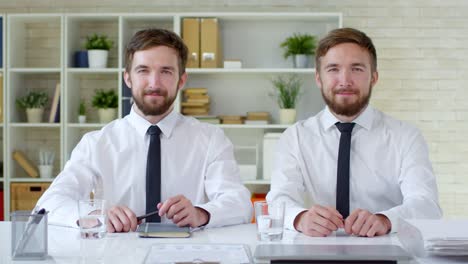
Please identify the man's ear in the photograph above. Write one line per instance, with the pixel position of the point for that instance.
(374, 78)
(182, 80)
(318, 80)
(127, 79)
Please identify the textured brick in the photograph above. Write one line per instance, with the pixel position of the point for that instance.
(422, 47)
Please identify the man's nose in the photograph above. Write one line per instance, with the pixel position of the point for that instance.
(345, 78)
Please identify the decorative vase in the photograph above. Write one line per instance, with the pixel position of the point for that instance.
(45, 171)
(107, 114)
(81, 59)
(34, 115)
(97, 58)
(81, 119)
(287, 116)
(301, 61)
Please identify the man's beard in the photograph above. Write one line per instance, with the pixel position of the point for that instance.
(346, 109)
(154, 109)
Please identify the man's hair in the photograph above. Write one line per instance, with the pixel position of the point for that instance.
(345, 35)
(153, 37)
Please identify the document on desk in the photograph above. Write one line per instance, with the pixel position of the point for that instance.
(199, 253)
(434, 237)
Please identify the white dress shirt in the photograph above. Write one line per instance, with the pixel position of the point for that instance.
(390, 171)
(197, 161)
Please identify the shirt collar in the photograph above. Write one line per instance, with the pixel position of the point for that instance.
(364, 120)
(167, 124)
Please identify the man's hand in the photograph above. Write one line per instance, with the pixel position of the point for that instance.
(318, 221)
(182, 213)
(363, 223)
(121, 219)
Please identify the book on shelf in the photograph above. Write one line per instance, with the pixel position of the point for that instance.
(25, 163)
(194, 104)
(195, 111)
(162, 230)
(197, 96)
(258, 115)
(209, 119)
(55, 106)
(190, 91)
(256, 122)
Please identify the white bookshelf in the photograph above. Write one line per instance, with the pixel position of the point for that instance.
(38, 54)
(3, 185)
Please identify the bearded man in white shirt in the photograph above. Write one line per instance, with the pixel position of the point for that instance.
(384, 174)
(199, 178)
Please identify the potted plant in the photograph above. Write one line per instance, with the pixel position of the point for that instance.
(286, 91)
(98, 47)
(301, 47)
(82, 112)
(33, 103)
(106, 102)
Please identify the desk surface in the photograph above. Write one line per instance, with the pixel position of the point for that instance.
(65, 246)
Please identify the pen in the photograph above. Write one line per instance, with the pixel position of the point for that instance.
(141, 217)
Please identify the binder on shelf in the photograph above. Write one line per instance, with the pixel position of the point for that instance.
(191, 37)
(25, 163)
(1, 95)
(210, 45)
(55, 107)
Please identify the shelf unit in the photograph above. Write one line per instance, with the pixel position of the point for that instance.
(3, 192)
(39, 54)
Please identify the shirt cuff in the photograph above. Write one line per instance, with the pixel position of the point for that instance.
(291, 215)
(394, 219)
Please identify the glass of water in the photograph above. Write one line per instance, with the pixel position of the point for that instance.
(92, 218)
(270, 220)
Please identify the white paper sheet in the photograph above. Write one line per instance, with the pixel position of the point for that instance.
(198, 253)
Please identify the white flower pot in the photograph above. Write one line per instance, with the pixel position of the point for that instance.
(287, 116)
(97, 58)
(34, 115)
(301, 61)
(81, 119)
(107, 114)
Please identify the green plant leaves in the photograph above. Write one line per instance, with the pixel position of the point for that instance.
(105, 99)
(287, 90)
(299, 44)
(100, 42)
(33, 100)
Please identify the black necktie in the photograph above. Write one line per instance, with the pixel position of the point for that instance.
(153, 173)
(342, 180)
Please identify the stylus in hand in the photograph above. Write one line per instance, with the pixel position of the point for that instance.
(141, 217)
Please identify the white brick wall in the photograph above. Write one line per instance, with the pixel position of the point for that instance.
(422, 47)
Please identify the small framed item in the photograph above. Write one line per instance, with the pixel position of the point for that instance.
(232, 64)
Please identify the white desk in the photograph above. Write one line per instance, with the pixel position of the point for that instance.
(65, 246)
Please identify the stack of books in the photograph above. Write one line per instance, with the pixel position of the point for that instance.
(197, 102)
(257, 118)
(231, 119)
(209, 119)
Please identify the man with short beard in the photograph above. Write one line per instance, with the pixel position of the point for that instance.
(361, 169)
(192, 163)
